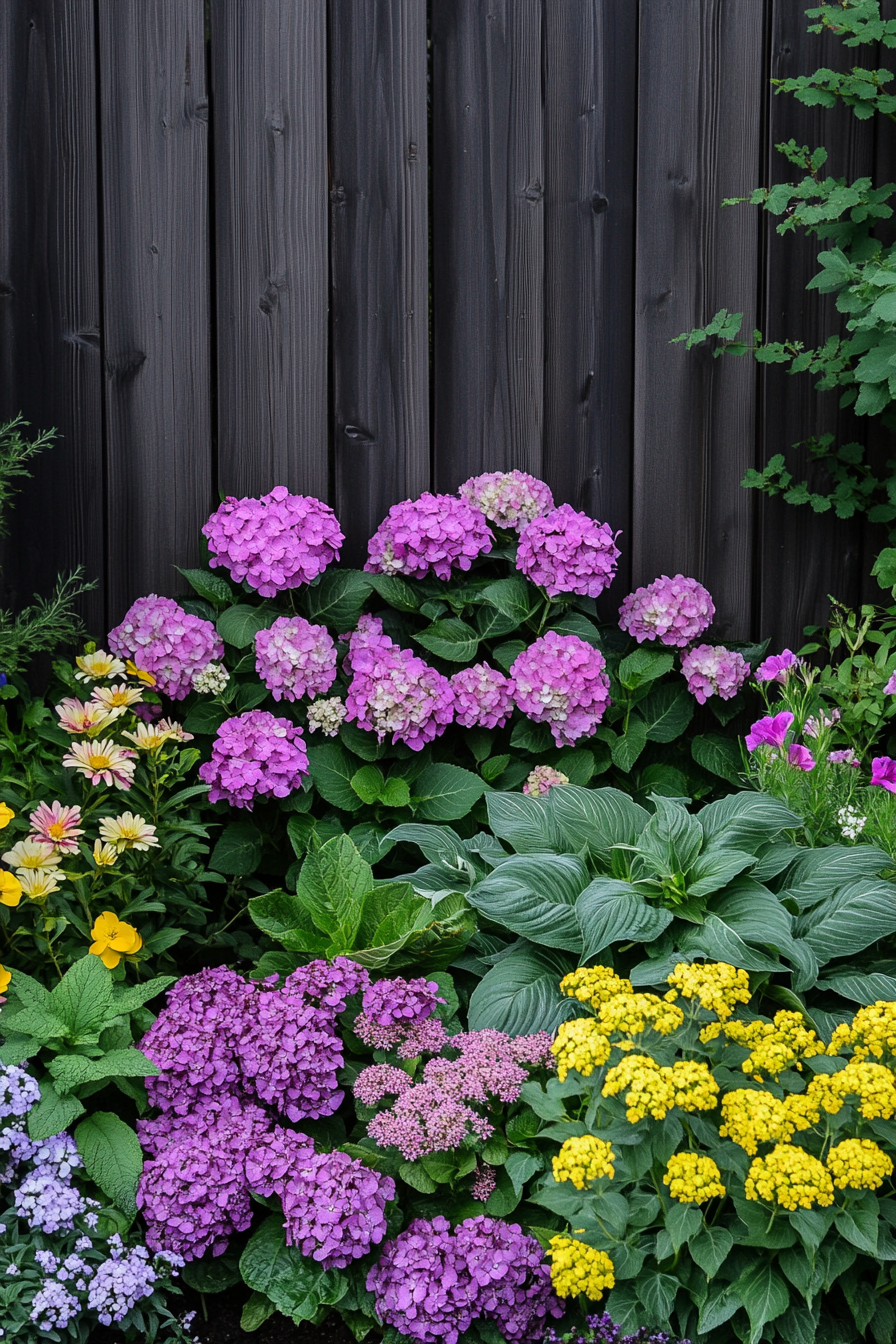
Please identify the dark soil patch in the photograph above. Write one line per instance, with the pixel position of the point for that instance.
(223, 1324)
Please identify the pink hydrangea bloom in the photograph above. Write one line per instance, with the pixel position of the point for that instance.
(276, 542)
(568, 552)
(483, 697)
(562, 681)
(770, 731)
(393, 691)
(674, 611)
(509, 499)
(714, 670)
(167, 641)
(543, 778)
(890, 688)
(255, 755)
(800, 757)
(432, 534)
(778, 667)
(295, 658)
(883, 773)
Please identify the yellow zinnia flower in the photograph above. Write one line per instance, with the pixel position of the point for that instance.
(113, 939)
(6, 816)
(10, 889)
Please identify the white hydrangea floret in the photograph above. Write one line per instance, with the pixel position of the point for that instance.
(326, 716)
(212, 680)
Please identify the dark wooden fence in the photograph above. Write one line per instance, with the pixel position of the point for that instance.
(369, 247)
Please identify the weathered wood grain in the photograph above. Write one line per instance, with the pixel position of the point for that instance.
(378, 259)
(269, 73)
(154, 138)
(50, 292)
(590, 84)
(488, 238)
(699, 140)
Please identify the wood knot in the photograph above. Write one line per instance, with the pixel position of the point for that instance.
(534, 191)
(599, 203)
(355, 434)
(412, 152)
(86, 339)
(337, 194)
(124, 366)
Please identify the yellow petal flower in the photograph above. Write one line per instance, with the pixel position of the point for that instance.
(10, 889)
(5, 977)
(6, 815)
(104, 855)
(113, 939)
(134, 671)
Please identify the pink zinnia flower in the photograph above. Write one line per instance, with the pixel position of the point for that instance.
(770, 731)
(56, 825)
(800, 757)
(778, 667)
(883, 773)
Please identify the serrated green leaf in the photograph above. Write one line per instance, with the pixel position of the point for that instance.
(368, 783)
(643, 666)
(205, 717)
(53, 1113)
(626, 750)
(238, 849)
(112, 1157)
(667, 712)
(331, 770)
(336, 601)
(400, 594)
(446, 792)
(451, 639)
(213, 587)
(240, 624)
(83, 997)
(719, 755)
(71, 1071)
(513, 597)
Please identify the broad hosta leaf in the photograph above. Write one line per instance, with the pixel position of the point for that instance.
(112, 1157)
(522, 821)
(295, 1283)
(613, 912)
(238, 850)
(446, 792)
(715, 868)
(331, 770)
(745, 820)
(535, 896)
(864, 989)
(671, 840)
(667, 712)
(521, 995)
(452, 639)
(720, 942)
(239, 625)
(753, 912)
(848, 921)
(336, 601)
(439, 844)
(819, 872)
(595, 819)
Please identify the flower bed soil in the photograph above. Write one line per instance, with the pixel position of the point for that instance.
(223, 1324)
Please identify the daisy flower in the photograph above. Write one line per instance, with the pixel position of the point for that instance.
(57, 826)
(113, 939)
(102, 762)
(174, 730)
(38, 884)
(99, 666)
(115, 697)
(129, 831)
(92, 718)
(31, 856)
(104, 855)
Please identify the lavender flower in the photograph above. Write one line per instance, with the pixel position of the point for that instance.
(289, 1055)
(255, 755)
(714, 670)
(166, 641)
(432, 534)
(568, 552)
(274, 543)
(53, 1307)
(483, 697)
(890, 688)
(295, 658)
(120, 1282)
(47, 1201)
(509, 499)
(562, 681)
(335, 1208)
(674, 611)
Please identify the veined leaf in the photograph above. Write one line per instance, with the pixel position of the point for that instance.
(745, 820)
(613, 912)
(535, 896)
(595, 819)
(112, 1157)
(521, 993)
(523, 821)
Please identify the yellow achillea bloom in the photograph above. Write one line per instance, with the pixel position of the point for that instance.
(774, 1046)
(583, 1159)
(858, 1164)
(6, 816)
(718, 986)
(113, 939)
(10, 889)
(577, 1268)
(871, 1032)
(647, 1086)
(751, 1118)
(790, 1177)
(594, 985)
(695, 1088)
(580, 1045)
(802, 1111)
(693, 1178)
(632, 1014)
(873, 1084)
(5, 977)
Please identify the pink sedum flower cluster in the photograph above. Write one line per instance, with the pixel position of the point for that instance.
(674, 611)
(295, 658)
(166, 641)
(276, 542)
(509, 499)
(562, 681)
(393, 691)
(714, 670)
(483, 697)
(567, 552)
(433, 534)
(255, 755)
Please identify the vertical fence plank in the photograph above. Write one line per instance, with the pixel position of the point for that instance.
(379, 244)
(155, 212)
(488, 238)
(698, 141)
(49, 290)
(590, 83)
(270, 173)
(804, 556)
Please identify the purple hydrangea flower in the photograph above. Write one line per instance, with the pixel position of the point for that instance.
(883, 773)
(400, 1002)
(483, 697)
(890, 688)
(568, 552)
(778, 667)
(511, 1281)
(255, 755)
(562, 681)
(432, 534)
(770, 731)
(289, 1055)
(276, 542)
(393, 691)
(800, 758)
(714, 670)
(295, 658)
(167, 641)
(335, 1208)
(328, 984)
(18, 1091)
(674, 611)
(509, 499)
(270, 1164)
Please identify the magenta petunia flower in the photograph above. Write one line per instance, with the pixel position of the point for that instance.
(800, 757)
(778, 667)
(883, 773)
(770, 731)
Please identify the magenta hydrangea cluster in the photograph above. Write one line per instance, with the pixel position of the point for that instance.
(167, 641)
(562, 681)
(255, 755)
(567, 552)
(295, 658)
(483, 697)
(509, 499)
(393, 691)
(714, 670)
(334, 1207)
(430, 535)
(431, 1283)
(400, 1002)
(273, 543)
(674, 611)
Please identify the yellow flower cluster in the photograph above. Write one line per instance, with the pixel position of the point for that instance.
(632, 1014)
(871, 1032)
(580, 1045)
(718, 986)
(653, 1089)
(693, 1179)
(577, 1268)
(774, 1046)
(874, 1085)
(584, 1159)
(858, 1164)
(751, 1117)
(594, 985)
(790, 1177)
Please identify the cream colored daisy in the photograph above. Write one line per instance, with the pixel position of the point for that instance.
(104, 855)
(32, 856)
(37, 885)
(117, 697)
(149, 736)
(98, 666)
(129, 831)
